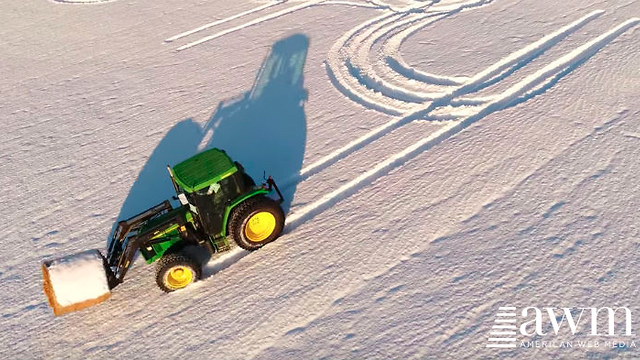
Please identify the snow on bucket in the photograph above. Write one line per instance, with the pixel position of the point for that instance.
(75, 282)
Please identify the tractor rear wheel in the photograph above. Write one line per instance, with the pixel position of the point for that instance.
(177, 270)
(256, 222)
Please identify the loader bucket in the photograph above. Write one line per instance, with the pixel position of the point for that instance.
(75, 282)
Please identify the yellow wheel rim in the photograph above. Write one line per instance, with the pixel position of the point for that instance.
(179, 277)
(260, 226)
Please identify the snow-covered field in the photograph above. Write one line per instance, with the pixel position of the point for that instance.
(443, 161)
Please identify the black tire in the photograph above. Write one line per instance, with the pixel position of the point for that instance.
(243, 212)
(175, 261)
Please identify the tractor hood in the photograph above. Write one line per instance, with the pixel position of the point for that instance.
(159, 223)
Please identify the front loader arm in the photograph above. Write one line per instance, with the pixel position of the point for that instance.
(124, 242)
(130, 225)
(135, 242)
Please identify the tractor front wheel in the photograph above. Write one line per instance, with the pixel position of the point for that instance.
(176, 271)
(256, 222)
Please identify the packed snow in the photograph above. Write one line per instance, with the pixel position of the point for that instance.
(444, 163)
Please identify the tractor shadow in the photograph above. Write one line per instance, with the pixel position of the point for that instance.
(153, 184)
(264, 129)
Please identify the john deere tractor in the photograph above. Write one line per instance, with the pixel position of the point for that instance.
(219, 202)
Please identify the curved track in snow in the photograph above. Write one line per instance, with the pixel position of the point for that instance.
(395, 93)
(523, 90)
(452, 104)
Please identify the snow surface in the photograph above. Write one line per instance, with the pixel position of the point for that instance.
(78, 277)
(449, 158)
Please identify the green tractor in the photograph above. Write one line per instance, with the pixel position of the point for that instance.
(219, 202)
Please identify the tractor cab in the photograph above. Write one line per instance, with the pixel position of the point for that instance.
(209, 182)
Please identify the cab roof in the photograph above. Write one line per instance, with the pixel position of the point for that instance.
(203, 170)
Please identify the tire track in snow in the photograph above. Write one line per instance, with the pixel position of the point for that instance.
(353, 82)
(369, 4)
(505, 99)
(366, 78)
(349, 69)
(262, 19)
(222, 21)
(360, 64)
(391, 51)
(449, 98)
(525, 89)
(251, 23)
(340, 78)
